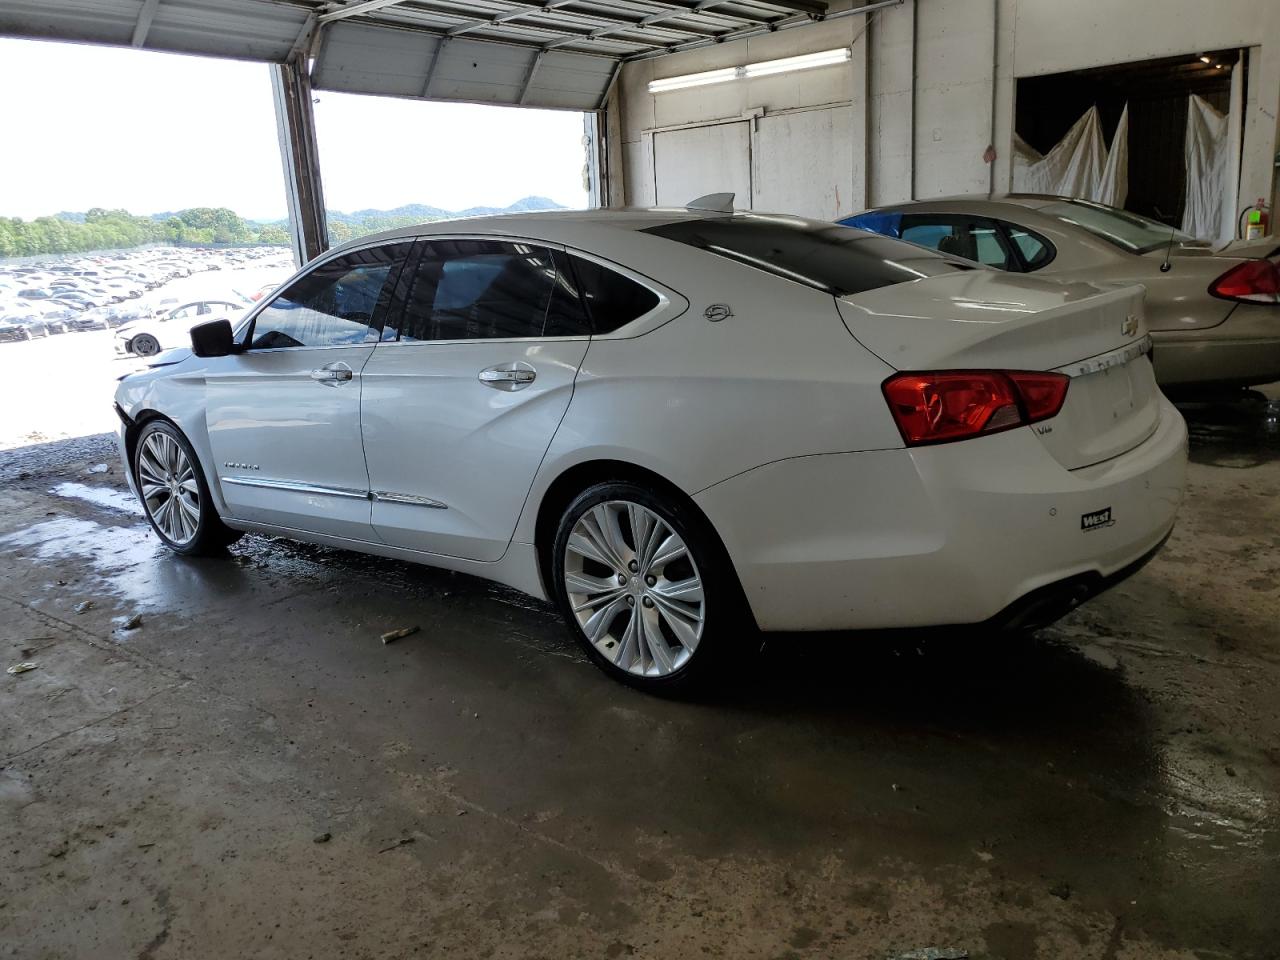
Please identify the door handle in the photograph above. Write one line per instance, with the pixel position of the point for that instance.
(508, 376)
(332, 373)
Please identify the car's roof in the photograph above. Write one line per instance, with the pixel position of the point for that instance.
(980, 204)
(551, 226)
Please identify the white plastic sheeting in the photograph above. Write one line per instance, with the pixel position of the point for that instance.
(1207, 214)
(1079, 165)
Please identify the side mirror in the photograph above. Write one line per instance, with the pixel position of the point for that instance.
(212, 339)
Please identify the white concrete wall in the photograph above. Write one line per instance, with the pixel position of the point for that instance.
(914, 107)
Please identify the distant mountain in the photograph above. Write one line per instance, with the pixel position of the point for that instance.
(69, 216)
(422, 211)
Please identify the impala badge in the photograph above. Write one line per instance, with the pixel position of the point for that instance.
(717, 312)
(1130, 326)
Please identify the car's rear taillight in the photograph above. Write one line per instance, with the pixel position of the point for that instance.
(1254, 281)
(955, 404)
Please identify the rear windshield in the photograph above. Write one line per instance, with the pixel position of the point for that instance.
(835, 259)
(1126, 230)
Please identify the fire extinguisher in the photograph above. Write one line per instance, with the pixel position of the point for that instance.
(1258, 218)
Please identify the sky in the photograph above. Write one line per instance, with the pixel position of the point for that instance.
(85, 126)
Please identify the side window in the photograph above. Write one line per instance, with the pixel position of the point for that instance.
(487, 290)
(1036, 251)
(612, 299)
(335, 304)
(973, 238)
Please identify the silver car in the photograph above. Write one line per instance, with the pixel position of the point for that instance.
(1214, 314)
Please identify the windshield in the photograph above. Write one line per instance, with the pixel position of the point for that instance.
(827, 256)
(1126, 230)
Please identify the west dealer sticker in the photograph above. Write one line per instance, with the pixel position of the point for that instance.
(1099, 518)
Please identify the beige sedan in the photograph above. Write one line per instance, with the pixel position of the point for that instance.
(1214, 314)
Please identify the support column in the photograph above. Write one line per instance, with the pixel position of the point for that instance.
(296, 125)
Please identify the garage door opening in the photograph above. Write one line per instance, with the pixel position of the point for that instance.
(1158, 95)
(389, 162)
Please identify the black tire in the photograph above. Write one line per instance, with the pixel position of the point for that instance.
(145, 345)
(723, 611)
(211, 536)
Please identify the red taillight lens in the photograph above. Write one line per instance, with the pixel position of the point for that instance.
(1255, 281)
(1042, 393)
(953, 405)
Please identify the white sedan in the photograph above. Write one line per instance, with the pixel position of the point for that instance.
(677, 425)
(171, 327)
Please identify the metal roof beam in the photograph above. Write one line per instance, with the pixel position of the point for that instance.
(651, 20)
(814, 8)
(528, 77)
(143, 25)
(616, 25)
(354, 10)
(478, 23)
(798, 20)
(431, 66)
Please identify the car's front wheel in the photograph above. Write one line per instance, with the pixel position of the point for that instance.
(175, 496)
(145, 345)
(644, 585)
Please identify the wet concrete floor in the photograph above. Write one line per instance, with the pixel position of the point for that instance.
(251, 772)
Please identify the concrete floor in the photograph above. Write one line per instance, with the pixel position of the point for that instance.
(252, 773)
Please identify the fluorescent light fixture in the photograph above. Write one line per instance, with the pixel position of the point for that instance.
(825, 58)
(693, 80)
(765, 68)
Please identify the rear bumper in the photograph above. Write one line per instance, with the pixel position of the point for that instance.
(954, 534)
(1243, 350)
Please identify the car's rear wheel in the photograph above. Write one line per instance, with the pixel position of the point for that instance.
(145, 345)
(174, 494)
(644, 586)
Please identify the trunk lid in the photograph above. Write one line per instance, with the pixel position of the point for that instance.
(982, 319)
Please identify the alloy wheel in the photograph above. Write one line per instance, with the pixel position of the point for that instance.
(634, 588)
(170, 492)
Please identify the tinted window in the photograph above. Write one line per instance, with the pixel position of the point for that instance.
(336, 303)
(488, 289)
(827, 256)
(612, 299)
(974, 238)
(1126, 230)
(1035, 251)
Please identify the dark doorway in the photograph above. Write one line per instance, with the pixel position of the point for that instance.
(1156, 92)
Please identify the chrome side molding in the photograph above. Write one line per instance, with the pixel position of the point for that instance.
(387, 497)
(296, 487)
(383, 496)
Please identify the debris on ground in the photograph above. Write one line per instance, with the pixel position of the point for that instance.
(393, 635)
(99, 468)
(1061, 890)
(403, 841)
(133, 623)
(82, 606)
(933, 953)
(322, 838)
(23, 667)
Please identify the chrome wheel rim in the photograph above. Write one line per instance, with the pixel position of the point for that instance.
(634, 588)
(170, 493)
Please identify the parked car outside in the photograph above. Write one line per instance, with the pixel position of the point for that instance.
(15, 326)
(1214, 314)
(148, 336)
(679, 426)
